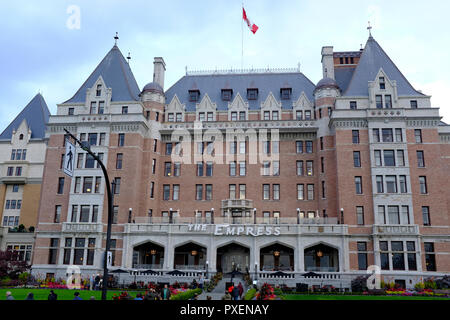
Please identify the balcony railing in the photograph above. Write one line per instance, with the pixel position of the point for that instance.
(237, 203)
(189, 267)
(148, 266)
(395, 229)
(235, 220)
(81, 227)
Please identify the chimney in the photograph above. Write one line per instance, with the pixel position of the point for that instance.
(159, 67)
(327, 62)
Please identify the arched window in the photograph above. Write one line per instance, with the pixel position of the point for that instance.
(21, 136)
(99, 90)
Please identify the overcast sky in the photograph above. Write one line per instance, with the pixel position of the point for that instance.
(39, 52)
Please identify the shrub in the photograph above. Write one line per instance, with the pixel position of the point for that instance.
(250, 294)
(359, 284)
(23, 277)
(419, 286)
(186, 295)
(430, 284)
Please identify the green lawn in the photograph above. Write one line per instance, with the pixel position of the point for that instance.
(356, 297)
(63, 294)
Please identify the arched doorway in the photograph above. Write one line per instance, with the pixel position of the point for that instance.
(190, 256)
(148, 256)
(276, 257)
(321, 258)
(233, 257)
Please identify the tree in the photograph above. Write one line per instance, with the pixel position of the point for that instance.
(10, 265)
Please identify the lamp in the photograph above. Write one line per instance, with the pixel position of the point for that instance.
(319, 253)
(194, 252)
(342, 215)
(254, 215)
(153, 252)
(276, 253)
(298, 215)
(212, 215)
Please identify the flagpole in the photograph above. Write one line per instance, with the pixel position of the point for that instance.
(242, 37)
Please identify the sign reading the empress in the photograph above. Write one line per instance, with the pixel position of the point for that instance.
(239, 230)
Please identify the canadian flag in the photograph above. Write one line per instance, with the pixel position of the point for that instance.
(253, 27)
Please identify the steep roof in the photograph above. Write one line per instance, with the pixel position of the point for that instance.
(343, 75)
(36, 115)
(117, 74)
(372, 60)
(212, 84)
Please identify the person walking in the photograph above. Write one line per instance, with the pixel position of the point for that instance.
(77, 296)
(52, 296)
(241, 290)
(235, 293)
(165, 294)
(9, 296)
(30, 296)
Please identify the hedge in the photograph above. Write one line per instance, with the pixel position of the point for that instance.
(186, 295)
(250, 294)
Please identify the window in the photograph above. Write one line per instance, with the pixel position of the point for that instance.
(99, 90)
(381, 215)
(84, 213)
(13, 154)
(252, 94)
(300, 192)
(405, 215)
(266, 115)
(379, 101)
(121, 140)
(362, 255)
(307, 115)
(310, 191)
(355, 136)
(18, 171)
(119, 159)
(53, 251)
(299, 146)
(90, 161)
(323, 190)
(321, 143)
(384, 255)
(423, 184)
(430, 259)
(170, 117)
(376, 135)
(179, 117)
(176, 192)
(157, 116)
(232, 191)
(67, 250)
(166, 192)
(168, 148)
(152, 189)
(402, 183)
(200, 147)
(90, 252)
(242, 115)
(153, 166)
(98, 181)
(398, 257)
(242, 190)
(234, 116)
(76, 188)
(411, 248)
(201, 116)
(70, 111)
(298, 115)
(400, 158)
(209, 116)
(309, 168)
(117, 185)
(393, 215)
(276, 191)
(125, 110)
(322, 165)
(275, 146)
(398, 135)
(266, 191)
(276, 168)
(199, 169)
(209, 147)
(388, 101)
(382, 83)
(299, 167)
(413, 104)
(275, 115)
(380, 188)
(356, 159)
(102, 139)
(353, 105)
(391, 184)
(194, 95)
(79, 253)
(60, 185)
(167, 169)
(233, 168)
(198, 192)
(242, 168)
(285, 93)
(358, 185)
(208, 192)
(93, 107)
(115, 214)
(266, 167)
(309, 146)
(101, 107)
(389, 159)
(426, 216)
(57, 215)
(387, 135)
(226, 94)
(15, 188)
(87, 184)
(418, 135)
(209, 169)
(176, 169)
(10, 171)
(420, 159)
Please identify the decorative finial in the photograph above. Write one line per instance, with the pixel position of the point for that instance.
(129, 57)
(360, 46)
(369, 27)
(185, 68)
(116, 38)
(298, 65)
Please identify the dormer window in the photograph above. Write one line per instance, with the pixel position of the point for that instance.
(285, 93)
(252, 94)
(413, 104)
(388, 101)
(226, 94)
(99, 90)
(194, 95)
(101, 107)
(71, 111)
(170, 117)
(275, 115)
(242, 115)
(353, 105)
(124, 109)
(201, 116)
(179, 117)
(382, 83)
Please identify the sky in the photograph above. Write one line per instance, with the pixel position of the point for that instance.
(51, 47)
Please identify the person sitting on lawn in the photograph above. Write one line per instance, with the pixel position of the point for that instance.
(30, 296)
(52, 296)
(77, 296)
(9, 295)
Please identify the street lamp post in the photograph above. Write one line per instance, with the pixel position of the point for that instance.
(298, 215)
(342, 215)
(212, 215)
(85, 146)
(254, 215)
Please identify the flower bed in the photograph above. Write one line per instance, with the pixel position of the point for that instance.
(266, 293)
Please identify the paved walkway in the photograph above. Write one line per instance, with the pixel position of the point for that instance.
(218, 292)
